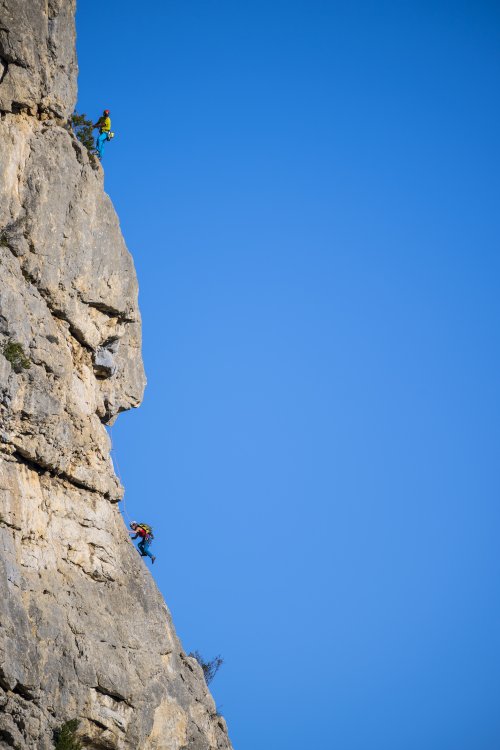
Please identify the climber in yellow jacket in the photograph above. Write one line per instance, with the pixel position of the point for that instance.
(104, 126)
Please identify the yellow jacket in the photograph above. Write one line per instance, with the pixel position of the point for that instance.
(104, 124)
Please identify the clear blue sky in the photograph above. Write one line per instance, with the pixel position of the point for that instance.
(310, 191)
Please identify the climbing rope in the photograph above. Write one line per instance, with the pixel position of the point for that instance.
(116, 466)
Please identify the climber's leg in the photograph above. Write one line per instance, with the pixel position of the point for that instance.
(145, 549)
(103, 137)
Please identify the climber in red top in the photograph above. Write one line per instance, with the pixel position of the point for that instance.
(146, 533)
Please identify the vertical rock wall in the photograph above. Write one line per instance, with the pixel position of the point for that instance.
(84, 632)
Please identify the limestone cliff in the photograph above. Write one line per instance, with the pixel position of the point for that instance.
(84, 632)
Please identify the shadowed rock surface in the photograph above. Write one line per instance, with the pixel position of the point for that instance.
(84, 632)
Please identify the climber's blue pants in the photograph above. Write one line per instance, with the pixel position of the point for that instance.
(144, 548)
(101, 140)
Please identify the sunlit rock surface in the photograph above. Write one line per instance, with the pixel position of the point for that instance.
(84, 632)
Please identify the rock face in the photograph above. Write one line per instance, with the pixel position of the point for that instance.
(84, 632)
(37, 56)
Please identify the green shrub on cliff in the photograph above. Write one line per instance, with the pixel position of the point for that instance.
(65, 737)
(82, 128)
(14, 353)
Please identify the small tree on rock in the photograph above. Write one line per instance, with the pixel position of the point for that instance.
(65, 738)
(210, 668)
(82, 128)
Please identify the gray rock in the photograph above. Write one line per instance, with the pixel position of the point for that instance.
(84, 632)
(104, 361)
(67, 278)
(37, 53)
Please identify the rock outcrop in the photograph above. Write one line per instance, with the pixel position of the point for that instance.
(37, 56)
(84, 632)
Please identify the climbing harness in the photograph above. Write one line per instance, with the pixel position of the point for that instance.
(148, 529)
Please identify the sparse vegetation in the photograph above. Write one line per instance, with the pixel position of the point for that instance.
(82, 128)
(65, 737)
(210, 668)
(14, 353)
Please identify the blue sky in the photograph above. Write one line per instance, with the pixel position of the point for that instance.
(310, 192)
